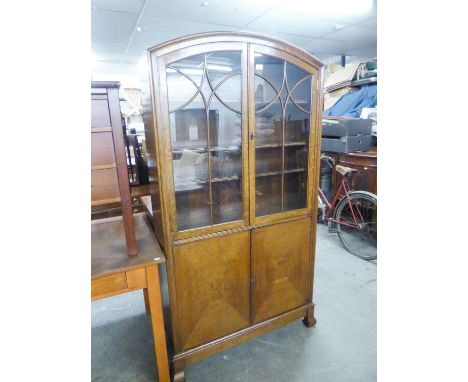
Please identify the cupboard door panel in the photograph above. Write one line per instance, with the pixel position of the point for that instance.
(213, 287)
(279, 268)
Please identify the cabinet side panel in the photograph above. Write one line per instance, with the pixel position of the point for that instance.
(280, 255)
(150, 140)
(213, 287)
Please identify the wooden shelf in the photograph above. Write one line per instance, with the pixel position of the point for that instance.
(225, 179)
(215, 180)
(293, 171)
(287, 144)
(205, 149)
(364, 81)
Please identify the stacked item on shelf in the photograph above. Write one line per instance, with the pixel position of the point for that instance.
(349, 79)
(351, 104)
(341, 77)
(351, 94)
(331, 98)
(371, 113)
(346, 135)
(352, 75)
(367, 70)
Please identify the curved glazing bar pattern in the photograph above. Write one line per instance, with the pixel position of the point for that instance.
(283, 99)
(205, 109)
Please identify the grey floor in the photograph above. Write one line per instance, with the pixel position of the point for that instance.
(341, 348)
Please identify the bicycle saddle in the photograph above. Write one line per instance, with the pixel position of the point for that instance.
(343, 170)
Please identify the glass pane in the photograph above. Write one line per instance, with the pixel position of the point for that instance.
(190, 167)
(270, 68)
(267, 194)
(226, 164)
(282, 106)
(268, 163)
(296, 138)
(222, 64)
(205, 124)
(183, 80)
(295, 190)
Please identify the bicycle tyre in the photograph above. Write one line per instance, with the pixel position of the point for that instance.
(359, 242)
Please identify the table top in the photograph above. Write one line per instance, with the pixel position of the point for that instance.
(372, 153)
(109, 251)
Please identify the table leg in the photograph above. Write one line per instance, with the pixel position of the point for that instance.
(145, 295)
(155, 304)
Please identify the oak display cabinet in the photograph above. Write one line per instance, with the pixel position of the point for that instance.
(233, 129)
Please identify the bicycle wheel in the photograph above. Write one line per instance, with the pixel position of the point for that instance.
(360, 240)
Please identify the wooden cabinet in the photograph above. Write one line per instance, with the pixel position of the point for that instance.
(109, 176)
(366, 164)
(233, 135)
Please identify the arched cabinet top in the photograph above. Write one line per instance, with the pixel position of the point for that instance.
(216, 37)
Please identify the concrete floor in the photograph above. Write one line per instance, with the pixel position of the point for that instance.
(341, 348)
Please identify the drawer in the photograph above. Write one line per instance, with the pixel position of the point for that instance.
(104, 186)
(108, 284)
(100, 116)
(102, 149)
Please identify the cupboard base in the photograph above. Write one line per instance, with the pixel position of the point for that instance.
(181, 360)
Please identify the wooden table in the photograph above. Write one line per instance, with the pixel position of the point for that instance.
(113, 272)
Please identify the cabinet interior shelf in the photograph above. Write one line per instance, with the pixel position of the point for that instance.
(205, 181)
(204, 149)
(215, 149)
(236, 177)
(219, 179)
(286, 144)
(271, 173)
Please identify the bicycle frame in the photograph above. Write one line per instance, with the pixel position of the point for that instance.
(344, 186)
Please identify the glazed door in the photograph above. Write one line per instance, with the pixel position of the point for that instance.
(204, 113)
(283, 130)
(238, 122)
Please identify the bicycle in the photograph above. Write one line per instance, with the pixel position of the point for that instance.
(354, 215)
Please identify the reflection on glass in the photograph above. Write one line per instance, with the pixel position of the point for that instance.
(205, 121)
(282, 106)
(268, 194)
(295, 190)
(226, 161)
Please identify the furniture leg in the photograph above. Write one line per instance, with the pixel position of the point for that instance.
(309, 319)
(145, 295)
(155, 305)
